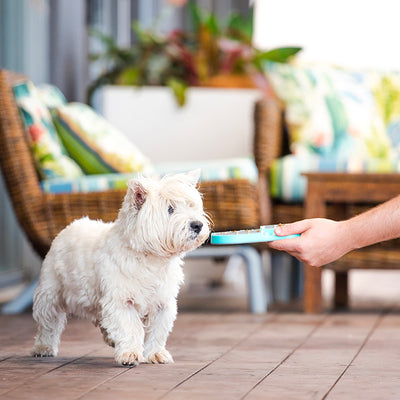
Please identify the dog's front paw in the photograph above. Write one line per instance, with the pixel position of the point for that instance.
(41, 350)
(162, 356)
(129, 359)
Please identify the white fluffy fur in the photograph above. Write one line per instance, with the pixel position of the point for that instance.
(124, 276)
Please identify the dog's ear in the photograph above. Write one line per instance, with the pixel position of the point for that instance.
(138, 193)
(193, 177)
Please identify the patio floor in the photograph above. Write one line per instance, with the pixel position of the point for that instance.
(217, 356)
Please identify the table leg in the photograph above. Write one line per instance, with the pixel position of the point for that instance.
(341, 289)
(314, 207)
(312, 289)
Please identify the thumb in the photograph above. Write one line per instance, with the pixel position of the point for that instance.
(293, 228)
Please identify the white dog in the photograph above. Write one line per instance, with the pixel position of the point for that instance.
(124, 276)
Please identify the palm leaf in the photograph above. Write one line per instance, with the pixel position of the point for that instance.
(281, 54)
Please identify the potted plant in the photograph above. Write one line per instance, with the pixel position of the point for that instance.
(213, 54)
(198, 66)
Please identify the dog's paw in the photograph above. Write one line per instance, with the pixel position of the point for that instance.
(42, 350)
(129, 359)
(160, 357)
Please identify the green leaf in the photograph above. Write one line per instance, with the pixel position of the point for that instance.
(179, 89)
(145, 37)
(107, 40)
(240, 27)
(95, 56)
(129, 76)
(196, 16)
(212, 24)
(281, 54)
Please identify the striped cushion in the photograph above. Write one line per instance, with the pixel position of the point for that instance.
(96, 145)
(289, 185)
(218, 170)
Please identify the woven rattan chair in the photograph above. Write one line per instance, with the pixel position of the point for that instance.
(232, 204)
(272, 141)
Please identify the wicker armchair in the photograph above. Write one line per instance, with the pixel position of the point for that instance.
(272, 142)
(232, 204)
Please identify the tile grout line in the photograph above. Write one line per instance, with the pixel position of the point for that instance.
(365, 341)
(287, 357)
(220, 356)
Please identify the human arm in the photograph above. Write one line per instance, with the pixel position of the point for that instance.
(323, 241)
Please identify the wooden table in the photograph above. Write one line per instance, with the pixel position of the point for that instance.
(340, 188)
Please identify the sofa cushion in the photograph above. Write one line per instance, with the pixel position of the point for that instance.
(50, 156)
(330, 111)
(95, 144)
(219, 170)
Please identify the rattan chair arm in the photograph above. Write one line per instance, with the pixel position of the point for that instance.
(267, 133)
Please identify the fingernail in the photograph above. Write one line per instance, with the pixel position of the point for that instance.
(278, 230)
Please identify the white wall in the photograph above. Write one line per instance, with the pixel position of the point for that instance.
(355, 33)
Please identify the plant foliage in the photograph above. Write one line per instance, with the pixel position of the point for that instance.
(181, 59)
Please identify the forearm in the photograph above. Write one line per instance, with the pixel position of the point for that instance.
(375, 225)
(323, 241)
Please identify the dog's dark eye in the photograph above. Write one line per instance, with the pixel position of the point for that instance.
(171, 210)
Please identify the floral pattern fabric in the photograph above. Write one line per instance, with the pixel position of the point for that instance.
(330, 111)
(338, 120)
(50, 156)
(51, 96)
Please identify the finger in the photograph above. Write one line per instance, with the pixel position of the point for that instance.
(288, 245)
(293, 228)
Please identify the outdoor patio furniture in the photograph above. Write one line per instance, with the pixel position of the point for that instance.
(232, 204)
(341, 196)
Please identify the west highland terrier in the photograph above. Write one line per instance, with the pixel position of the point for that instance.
(124, 276)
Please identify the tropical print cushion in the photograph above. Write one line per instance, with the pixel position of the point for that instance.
(386, 89)
(338, 121)
(50, 95)
(330, 111)
(218, 170)
(50, 156)
(95, 144)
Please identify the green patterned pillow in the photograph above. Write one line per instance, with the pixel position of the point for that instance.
(95, 144)
(330, 111)
(50, 156)
(386, 89)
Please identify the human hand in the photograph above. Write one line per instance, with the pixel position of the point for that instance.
(321, 241)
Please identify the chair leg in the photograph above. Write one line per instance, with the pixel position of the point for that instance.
(22, 301)
(257, 292)
(255, 279)
(312, 289)
(286, 277)
(296, 282)
(341, 299)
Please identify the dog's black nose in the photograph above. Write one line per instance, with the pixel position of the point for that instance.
(196, 226)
